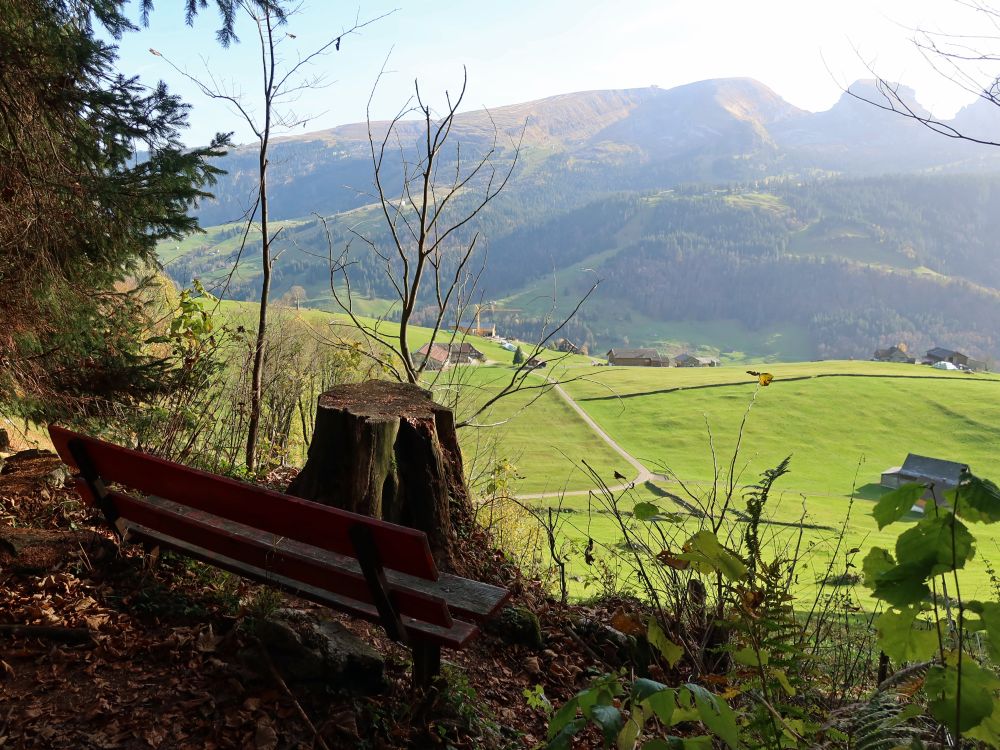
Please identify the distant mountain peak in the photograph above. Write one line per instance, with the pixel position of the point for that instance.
(882, 93)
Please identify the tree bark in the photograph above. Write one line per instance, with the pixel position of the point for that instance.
(388, 451)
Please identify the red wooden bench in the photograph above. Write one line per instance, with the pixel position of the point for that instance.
(368, 568)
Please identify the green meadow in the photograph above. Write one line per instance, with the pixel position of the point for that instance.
(842, 423)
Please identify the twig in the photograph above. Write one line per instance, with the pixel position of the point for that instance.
(291, 696)
(568, 629)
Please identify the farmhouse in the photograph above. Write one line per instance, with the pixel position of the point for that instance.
(637, 358)
(689, 360)
(439, 356)
(432, 357)
(896, 353)
(939, 354)
(938, 474)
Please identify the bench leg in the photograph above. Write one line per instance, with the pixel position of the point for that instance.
(426, 664)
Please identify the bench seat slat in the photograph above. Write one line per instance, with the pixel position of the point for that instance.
(399, 548)
(457, 636)
(224, 537)
(464, 597)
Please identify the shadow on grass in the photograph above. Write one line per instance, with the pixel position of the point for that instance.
(870, 491)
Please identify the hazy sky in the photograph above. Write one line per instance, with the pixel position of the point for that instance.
(518, 50)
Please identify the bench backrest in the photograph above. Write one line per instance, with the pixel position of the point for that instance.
(399, 548)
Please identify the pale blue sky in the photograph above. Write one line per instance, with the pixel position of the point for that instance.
(520, 50)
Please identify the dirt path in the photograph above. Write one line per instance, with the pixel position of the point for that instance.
(644, 475)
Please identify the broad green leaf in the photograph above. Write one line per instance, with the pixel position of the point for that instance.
(877, 561)
(894, 505)
(645, 511)
(929, 546)
(977, 700)
(988, 730)
(989, 613)
(782, 678)
(716, 715)
(663, 703)
(705, 553)
(902, 585)
(976, 500)
(658, 743)
(748, 657)
(633, 725)
(609, 719)
(562, 717)
(659, 640)
(644, 687)
(561, 739)
(905, 638)
(697, 743)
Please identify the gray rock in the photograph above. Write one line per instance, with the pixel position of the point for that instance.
(306, 649)
(518, 625)
(58, 477)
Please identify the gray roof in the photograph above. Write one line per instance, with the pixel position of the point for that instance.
(933, 469)
(703, 360)
(634, 353)
(938, 351)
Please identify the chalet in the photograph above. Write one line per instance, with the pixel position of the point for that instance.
(637, 358)
(689, 360)
(535, 363)
(896, 353)
(432, 357)
(464, 353)
(962, 361)
(440, 356)
(939, 476)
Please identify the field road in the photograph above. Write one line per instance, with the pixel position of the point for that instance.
(645, 475)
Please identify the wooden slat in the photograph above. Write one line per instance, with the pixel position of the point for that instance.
(465, 598)
(269, 553)
(457, 636)
(402, 549)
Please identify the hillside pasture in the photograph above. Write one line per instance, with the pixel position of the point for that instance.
(841, 422)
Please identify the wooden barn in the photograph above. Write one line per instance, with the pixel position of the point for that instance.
(940, 476)
(637, 358)
(689, 360)
(963, 361)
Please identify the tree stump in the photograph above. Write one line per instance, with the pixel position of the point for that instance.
(388, 451)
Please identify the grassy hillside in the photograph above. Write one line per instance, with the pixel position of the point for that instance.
(829, 415)
(842, 423)
(787, 270)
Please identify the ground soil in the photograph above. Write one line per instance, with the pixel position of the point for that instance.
(163, 662)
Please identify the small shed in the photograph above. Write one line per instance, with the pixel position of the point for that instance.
(637, 358)
(689, 360)
(938, 474)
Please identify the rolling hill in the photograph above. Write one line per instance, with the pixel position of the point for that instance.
(720, 217)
